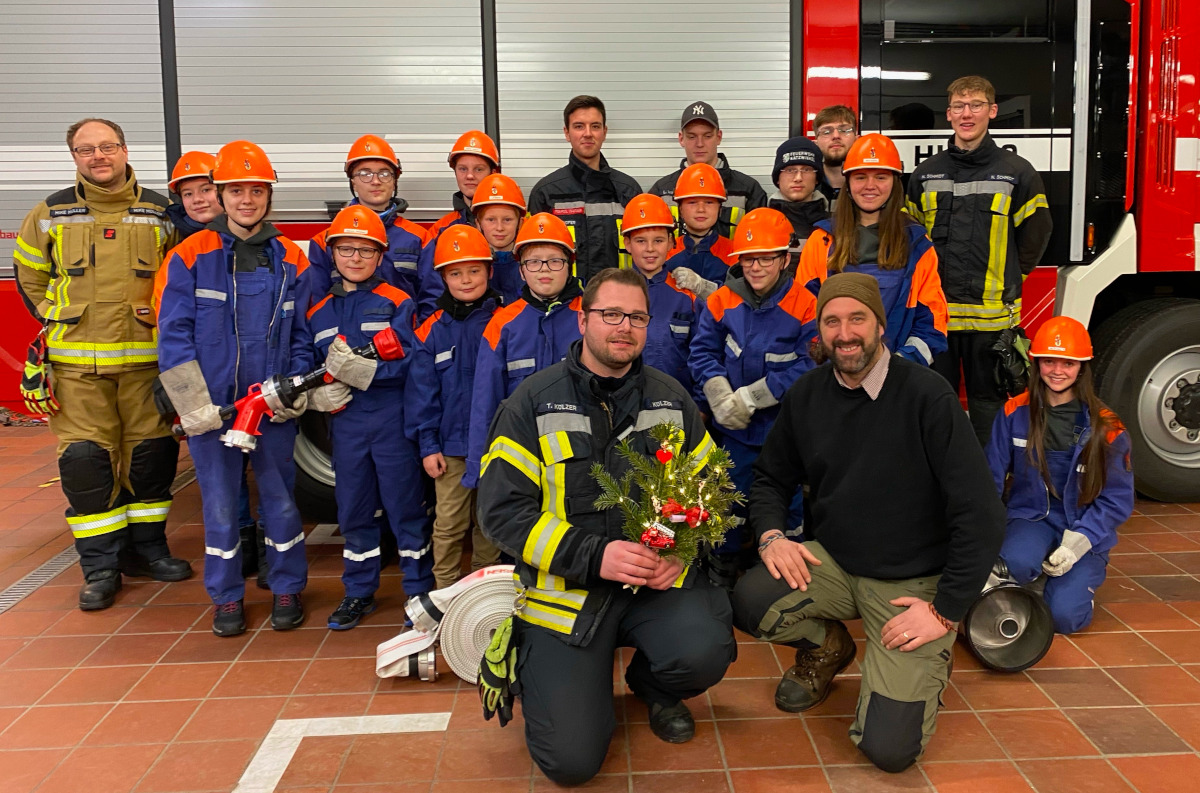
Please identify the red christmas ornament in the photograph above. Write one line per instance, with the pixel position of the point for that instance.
(696, 516)
(664, 455)
(671, 507)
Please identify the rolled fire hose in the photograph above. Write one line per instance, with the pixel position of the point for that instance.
(462, 617)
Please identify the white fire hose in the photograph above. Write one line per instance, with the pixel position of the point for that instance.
(462, 616)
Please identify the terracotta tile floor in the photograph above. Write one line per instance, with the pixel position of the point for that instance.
(144, 698)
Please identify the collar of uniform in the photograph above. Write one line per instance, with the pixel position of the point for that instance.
(584, 168)
(873, 382)
(739, 287)
(692, 243)
(458, 310)
(658, 278)
(984, 149)
(103, 200)
(341, 288)
(569, 293)
(461, 205)
(388, 216)
(623, 397)
(722, 167)
(220, 224)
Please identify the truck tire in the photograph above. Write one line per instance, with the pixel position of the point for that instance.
(1147, 369)
(314, 469)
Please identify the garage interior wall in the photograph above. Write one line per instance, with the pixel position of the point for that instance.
(64, 60)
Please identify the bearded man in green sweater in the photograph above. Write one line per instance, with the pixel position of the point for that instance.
(904, 526)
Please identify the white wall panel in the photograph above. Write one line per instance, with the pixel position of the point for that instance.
(63, 60)
(304, 78)
(646, 61)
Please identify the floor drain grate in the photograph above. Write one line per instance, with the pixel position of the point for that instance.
(66, 558)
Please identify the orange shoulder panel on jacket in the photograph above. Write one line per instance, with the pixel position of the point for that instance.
(814, 258)
(293, 255)
(723, 249)
(502, 317)
(427, 326)
(315, 308)
(677, 247)
(410, 227)
(576, 305)
(799, 303)
(397, 296)
(721, 301)
(1016, 402)
(187, 251)
(320, 240)
(671, 283)
(434, 230)
(1115, 425)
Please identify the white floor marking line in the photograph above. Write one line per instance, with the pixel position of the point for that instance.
(273, 756)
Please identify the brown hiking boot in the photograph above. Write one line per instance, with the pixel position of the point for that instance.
(806, 684)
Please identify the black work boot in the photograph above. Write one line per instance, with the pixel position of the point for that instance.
(672, 723)
(250, 560)
(349, 612)
(260, 551)
(229, 619)
(168, 568)
(99, 590)
(806, 684)
(287, 612)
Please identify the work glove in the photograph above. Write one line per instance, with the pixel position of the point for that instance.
(689, 279)
(728, 409)
(498, 674)
(353, 370)
(330, 398)
(757, 395)
(294, 412)
(201, 420)
(35, 381)
(1063, 558)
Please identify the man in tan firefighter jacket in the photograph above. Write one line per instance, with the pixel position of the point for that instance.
(85, 264)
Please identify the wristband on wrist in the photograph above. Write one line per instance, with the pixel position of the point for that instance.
(947, 624)
(768, 538)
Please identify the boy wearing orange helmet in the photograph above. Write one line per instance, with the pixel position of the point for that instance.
(648, 228)
(376, 464)
(1067, 456)
(871, 233)
(751, 343)
(472, 157)
(701, 257)
(530, 334)
(228, 318)
(374, 170)
(442, 382)
(198, 205)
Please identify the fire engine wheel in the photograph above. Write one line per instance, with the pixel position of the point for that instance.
(1148, 371)
(314, 468)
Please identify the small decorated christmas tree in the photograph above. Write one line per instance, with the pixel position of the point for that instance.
(673, 503)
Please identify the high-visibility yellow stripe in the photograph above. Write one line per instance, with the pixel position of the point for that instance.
(98, 353)
(1031, 206)
(678, 584)
(153, 512)
(98, 523)
(553, 589)
(992, 316)
(555, 446)
(30, 251)
(554, 490)
(702, 452)
(504, 448)
(40, 266)
(547, 616)
(543, 540)
(993, 279)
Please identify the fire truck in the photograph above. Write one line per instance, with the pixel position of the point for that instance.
(1100, 95)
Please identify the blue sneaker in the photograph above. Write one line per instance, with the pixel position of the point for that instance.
(349, 612)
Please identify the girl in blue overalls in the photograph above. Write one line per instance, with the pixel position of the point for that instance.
(227, 320)
(1072, 486)
(375, 463)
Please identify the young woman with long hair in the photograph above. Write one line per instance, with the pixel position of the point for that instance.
(1067, 455)
(871, 233)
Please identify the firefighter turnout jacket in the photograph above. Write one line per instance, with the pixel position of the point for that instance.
(537, 495)
(591, 203)
(744, 193)
(86, 260)
(987, 215)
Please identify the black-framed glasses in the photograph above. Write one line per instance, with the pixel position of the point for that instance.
(613, 316)
(105, 148)
(827, 132)
(761, 261)
(798, 170)
(536, 265)
(958, 107)
(347, 251)
(365, 176)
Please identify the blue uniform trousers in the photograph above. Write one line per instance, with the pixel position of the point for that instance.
(377, 465)
(219, 472)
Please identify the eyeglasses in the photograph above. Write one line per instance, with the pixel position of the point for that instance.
(760, 261)
(827, 132)
(365, 176)
(347, 251)
(613, 316)
(793, 171)
(958, 107)
(536, 265)
(105, 148)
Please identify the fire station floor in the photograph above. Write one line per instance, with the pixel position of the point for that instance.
(142, 697)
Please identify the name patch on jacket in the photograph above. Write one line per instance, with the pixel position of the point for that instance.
(58, 213)
(1002, 177)
(146, 211)
(661, 404)
(557, 407)
(568, 211)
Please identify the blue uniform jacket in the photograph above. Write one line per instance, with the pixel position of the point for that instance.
(519, 340)
(398, 267)
(710, 258)
(197, 306)
(443, 380)
(1029, 499)
(735, 340)
(912, 295)
(672, 323)
(358, 315)
(505, 279)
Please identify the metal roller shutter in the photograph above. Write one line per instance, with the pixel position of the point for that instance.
(646, 61)
(304, 78)
(65, 60)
